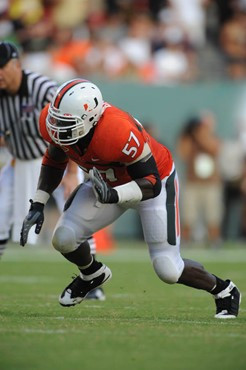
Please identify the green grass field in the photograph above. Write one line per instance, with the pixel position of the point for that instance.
(144, 324)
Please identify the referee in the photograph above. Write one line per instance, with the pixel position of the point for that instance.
(23, 94)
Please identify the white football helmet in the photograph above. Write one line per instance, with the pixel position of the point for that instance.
(76, 108)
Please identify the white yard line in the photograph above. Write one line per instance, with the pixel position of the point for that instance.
(41, 254)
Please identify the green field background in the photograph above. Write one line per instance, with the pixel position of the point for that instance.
(144, 324)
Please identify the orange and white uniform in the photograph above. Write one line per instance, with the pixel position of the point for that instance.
(118, 141)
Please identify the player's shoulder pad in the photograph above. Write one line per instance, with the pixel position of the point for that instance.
(123, 142)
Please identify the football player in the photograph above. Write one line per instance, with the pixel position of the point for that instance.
(125, 167)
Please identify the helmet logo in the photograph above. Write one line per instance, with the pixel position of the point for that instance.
(86, 106)
(67, 114)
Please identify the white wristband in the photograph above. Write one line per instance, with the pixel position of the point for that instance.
(41, 196)
(129, 192)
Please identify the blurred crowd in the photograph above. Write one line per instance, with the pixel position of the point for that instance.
(213, 198)
(155, 42)
(159, 42)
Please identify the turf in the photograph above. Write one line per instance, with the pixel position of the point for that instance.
(143, 324)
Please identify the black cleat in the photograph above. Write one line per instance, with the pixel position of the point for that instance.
(227, 302)
(78, 289)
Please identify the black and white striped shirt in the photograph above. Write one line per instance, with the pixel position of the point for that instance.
(19, 115)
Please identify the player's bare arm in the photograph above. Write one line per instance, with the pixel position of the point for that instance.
(54, 164)
(145, 173)
(70, 179)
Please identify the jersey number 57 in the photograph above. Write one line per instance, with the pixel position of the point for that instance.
(131, 146)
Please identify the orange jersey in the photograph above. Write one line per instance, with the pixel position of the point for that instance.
(118, 140)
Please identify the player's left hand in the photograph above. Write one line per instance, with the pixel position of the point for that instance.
(35, 217)
(103, 191)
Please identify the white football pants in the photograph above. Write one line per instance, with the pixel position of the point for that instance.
(159, 217)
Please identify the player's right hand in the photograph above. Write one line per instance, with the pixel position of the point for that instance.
(103, 192)
(35, 217)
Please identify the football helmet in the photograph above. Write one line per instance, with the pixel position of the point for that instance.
(76, 108)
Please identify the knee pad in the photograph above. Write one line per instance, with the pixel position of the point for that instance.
(64, 239)
(166, 269)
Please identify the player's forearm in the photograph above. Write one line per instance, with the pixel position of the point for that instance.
(135, 191)
(53, 166)
(49, 179)
(145, 174)
(146, 188)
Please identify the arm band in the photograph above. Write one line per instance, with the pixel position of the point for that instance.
(129, 192)
(41, 196)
